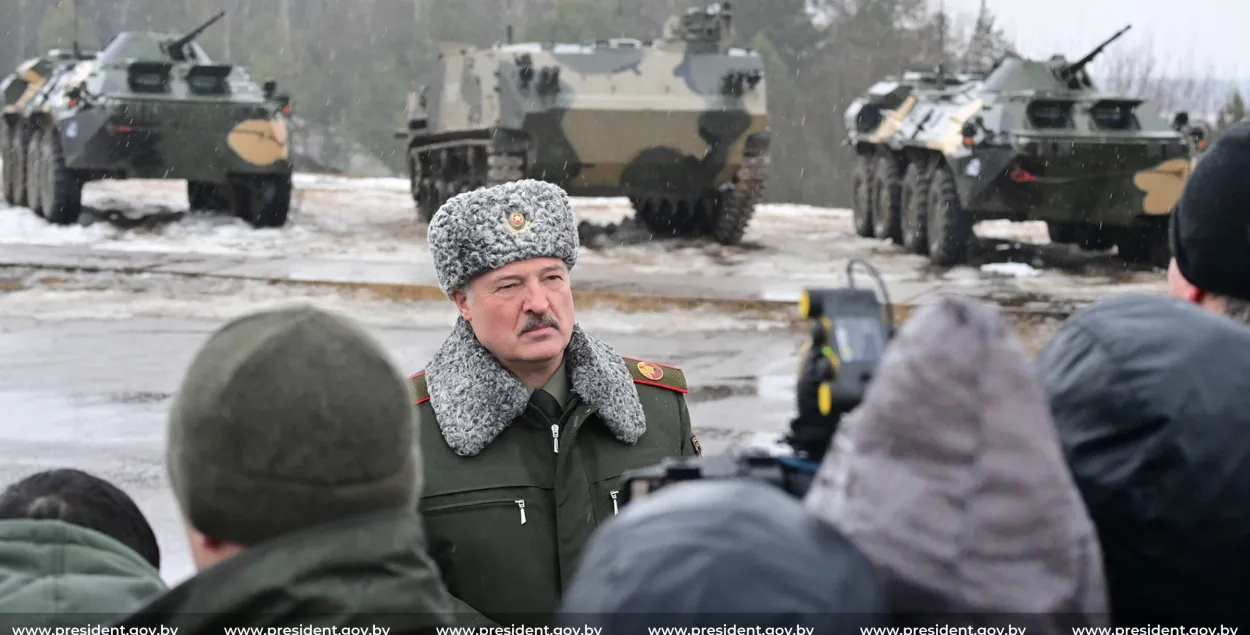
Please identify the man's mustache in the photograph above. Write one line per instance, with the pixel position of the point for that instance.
(535, 322)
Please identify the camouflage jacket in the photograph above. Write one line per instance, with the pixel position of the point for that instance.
(512, 494)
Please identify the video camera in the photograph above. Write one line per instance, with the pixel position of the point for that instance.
(850, 330)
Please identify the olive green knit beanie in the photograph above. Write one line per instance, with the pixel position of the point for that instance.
(289, 418)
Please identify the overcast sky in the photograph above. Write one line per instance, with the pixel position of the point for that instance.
(1194, 35)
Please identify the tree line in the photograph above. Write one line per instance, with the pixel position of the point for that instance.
(350, 64)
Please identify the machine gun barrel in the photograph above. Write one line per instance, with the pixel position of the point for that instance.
(1075, 67)
(194, 33)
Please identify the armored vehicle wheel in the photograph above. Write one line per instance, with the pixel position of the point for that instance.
(1089, 237)
(915, 208)
(22, 136)
(949, 227)
(262, 201)
(666, 218)
(1095, 238)
(1144, 246)
(887, 184)
(205, 196)
(60, 188)
(8, 153)
(1062, 233)
(427, 200)
(861, 208)
(34, 172)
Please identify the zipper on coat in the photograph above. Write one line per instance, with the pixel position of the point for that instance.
(615, 510)
(520, 502)
(555, 438)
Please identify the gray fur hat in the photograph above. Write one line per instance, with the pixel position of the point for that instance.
(288, 418)
(485, 229)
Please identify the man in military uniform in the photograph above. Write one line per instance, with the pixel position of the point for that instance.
(526, 421)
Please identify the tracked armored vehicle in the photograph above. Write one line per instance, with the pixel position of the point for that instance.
(679, 125)
(1033, 140)
(148, 106)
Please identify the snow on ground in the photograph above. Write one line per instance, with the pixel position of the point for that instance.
(111, 296)
(373, 219)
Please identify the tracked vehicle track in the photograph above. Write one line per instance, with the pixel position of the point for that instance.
(724, 216)
(440, 171)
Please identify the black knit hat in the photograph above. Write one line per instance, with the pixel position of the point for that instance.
(1210, 232)
(288, 418)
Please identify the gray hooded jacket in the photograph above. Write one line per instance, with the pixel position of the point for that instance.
(950, 478)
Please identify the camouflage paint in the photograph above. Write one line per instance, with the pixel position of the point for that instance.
(1162, 185)
(891, 122)
(645, 121)
(177, 133)
(1081, 172)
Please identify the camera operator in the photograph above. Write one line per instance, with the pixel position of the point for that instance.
(949, 477)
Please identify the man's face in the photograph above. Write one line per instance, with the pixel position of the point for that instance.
(521, 312)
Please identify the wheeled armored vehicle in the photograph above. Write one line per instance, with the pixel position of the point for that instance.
(678, 125)
(146, 106)
(1033, 140)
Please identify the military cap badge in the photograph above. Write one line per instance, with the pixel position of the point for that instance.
(517, 222)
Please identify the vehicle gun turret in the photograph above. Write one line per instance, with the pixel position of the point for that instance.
(175, 47)
(1067, 71)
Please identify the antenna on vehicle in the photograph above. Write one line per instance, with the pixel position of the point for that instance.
(74, 10)
(941, 69)
(508, 28)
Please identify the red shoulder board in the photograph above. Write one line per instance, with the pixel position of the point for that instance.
(653, 374)
(420, 393)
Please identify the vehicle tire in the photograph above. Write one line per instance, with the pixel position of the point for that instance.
(861, 207)
(1061, 233)
(21, 137)
(887, 186)
(1094, 238)
(61, 195)
(34, 172)
(264, 201)
(915, 208)
(8, 153)
(949, 228)
(1144, 246)
(202, 195)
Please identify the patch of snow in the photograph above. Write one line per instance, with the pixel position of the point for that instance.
(801, 211)
(1013, 269)
(769, 443)
(330, 181)
(1034, 232)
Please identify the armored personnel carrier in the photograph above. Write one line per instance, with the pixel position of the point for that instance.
(678, 125)
(148, 106)
(1033, 140)
(873, 123)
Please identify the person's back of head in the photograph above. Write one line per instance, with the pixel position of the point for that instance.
(1210, 229)
(74, 550)
(1149, 397)
(949, 477)
(287, 419)
(709, 553)
(78, 498)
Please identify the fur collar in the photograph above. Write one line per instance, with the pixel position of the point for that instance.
(475, 398)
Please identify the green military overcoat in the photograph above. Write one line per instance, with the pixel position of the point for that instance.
(515, 484)
(367, 572)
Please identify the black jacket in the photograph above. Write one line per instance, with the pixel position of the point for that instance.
(1151, 397)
